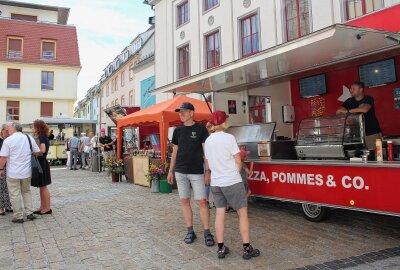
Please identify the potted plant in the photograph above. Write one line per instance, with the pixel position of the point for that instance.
(155, 174)
(115, 167)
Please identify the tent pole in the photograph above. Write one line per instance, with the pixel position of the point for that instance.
(208, 105)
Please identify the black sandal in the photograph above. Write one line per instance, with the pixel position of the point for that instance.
(190, 237)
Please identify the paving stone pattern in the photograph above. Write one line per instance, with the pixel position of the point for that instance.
(97, 224)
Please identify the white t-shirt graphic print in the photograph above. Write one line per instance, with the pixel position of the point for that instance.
(220, 147)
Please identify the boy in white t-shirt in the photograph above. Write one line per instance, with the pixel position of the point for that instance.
(222, 155)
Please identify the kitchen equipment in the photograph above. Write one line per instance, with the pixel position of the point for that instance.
(329, 137)
(256, 138)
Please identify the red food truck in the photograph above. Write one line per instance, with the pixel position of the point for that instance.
(282, 103)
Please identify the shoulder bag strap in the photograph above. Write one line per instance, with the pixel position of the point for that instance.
(30, 143)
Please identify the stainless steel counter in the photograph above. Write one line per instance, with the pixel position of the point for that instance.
(384, 164)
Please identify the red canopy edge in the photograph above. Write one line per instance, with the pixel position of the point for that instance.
(164, 116)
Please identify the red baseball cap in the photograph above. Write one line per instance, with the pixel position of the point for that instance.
(218, 118)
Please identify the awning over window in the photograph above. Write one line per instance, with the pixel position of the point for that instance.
(329, 46)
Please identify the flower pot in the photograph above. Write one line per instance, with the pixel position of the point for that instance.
(115, 177)
(165, 187)
(155, 186)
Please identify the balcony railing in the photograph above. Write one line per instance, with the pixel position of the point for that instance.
(48, 55)
(14, 54)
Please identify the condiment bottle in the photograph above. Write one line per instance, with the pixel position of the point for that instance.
(378, 150)
(390, 150)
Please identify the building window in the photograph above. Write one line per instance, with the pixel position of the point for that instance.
(250, 35)
(131, 72)
(213, 53)
(122, 100)
(47, 80)
(183, 13)
(14, 78)
(12, 110)
(22, 17)
(297, 17)
(14, 47)
(209, 4)
(123, 78)
(183, 62)
(46, 109)
(116, 84)
(108, 89)
(131, 97)
(357, 8)
(48, 50)
(112, 86)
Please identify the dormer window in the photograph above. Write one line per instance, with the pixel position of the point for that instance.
(48, 50)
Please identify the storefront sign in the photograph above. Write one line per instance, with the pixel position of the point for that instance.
(146, 98)
(372, 188)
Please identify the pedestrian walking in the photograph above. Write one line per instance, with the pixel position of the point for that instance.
(5, 204)
(41, 131)
(84, 150)
(222, 155)
(16, 152)
(187, 163)
(73, 145)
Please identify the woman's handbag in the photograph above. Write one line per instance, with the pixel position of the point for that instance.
(37, 171)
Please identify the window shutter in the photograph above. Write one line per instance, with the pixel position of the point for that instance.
(46, 109)
(48, 46)
(15, 45)
(14, 76)
(14, 104)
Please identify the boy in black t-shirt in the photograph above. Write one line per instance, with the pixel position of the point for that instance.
(360, 103)
(187, 162)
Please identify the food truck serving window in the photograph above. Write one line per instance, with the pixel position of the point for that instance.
(313, 85)
(378, 73)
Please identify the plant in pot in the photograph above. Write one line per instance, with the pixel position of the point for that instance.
(114, 167)
(156, 174)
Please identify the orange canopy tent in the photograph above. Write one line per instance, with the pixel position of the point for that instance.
(164, 116)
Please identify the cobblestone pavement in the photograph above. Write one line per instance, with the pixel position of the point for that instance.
(100, 225)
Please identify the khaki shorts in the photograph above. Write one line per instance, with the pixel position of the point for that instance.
(234, 195)
(196, 181)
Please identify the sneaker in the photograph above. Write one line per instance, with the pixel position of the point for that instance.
(190, 237)
(17, 220)
(223, 252)
(250, 252)
(209, 239)
(230, 210)
(31, 217)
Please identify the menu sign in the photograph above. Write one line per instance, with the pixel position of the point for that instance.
(312, 86)
(378, 73)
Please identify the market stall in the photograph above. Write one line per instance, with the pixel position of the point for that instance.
(282, 104)
(159, 117)
(64, 128)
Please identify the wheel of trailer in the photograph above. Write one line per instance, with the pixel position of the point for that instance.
(314, 212)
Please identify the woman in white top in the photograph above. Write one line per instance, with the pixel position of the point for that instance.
(222, 155)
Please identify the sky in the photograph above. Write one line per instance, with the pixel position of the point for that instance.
(104, 29)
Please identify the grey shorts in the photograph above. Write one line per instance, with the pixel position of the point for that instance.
(234, 195)
(196, 181)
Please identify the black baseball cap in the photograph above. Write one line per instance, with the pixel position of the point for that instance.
(185, 106)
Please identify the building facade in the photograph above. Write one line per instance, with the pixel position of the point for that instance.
(196, 39)
(39, 62)
(120, 82)
(88, 108)
(196, 36)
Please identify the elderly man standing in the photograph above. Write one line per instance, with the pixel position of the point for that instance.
(16, 152)
(74, 144)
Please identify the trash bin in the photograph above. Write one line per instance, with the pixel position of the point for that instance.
(96, 167)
